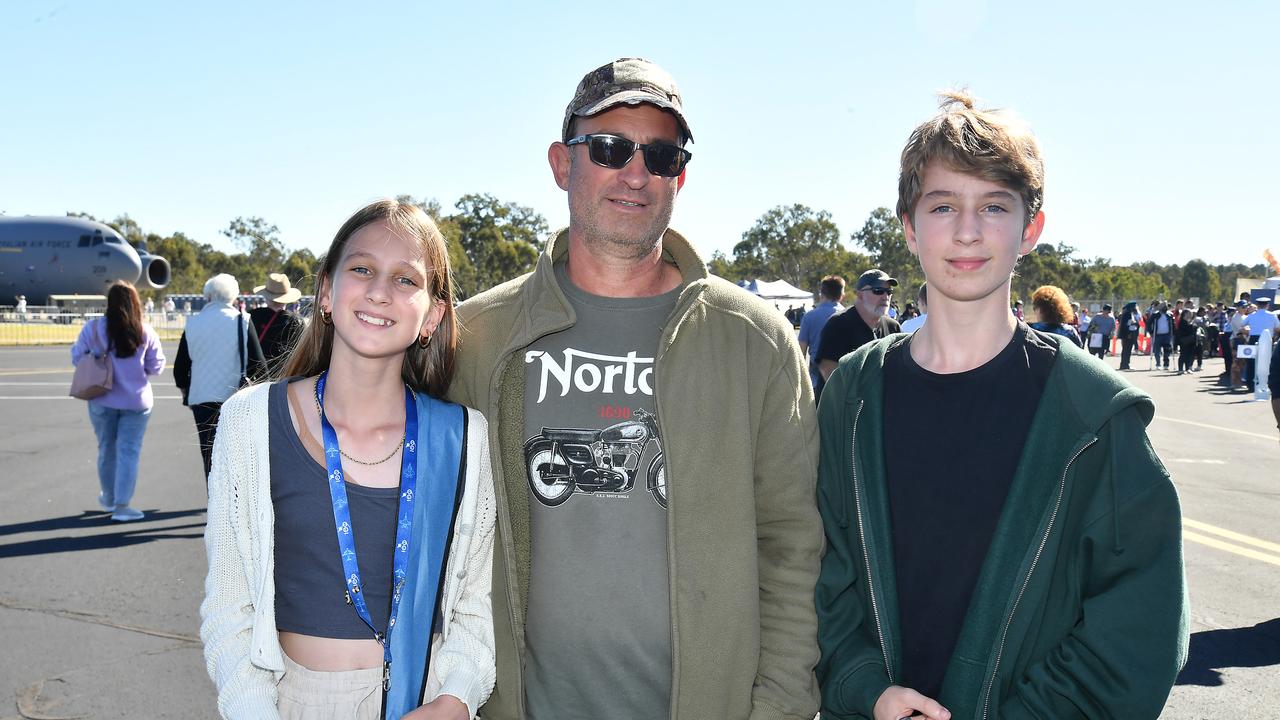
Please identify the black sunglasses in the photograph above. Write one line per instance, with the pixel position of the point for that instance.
(880, 290)
(660, 158)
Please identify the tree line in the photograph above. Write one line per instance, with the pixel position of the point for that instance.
(491, 241)
(802, 245)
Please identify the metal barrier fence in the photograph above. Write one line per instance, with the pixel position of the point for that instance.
(40, 325)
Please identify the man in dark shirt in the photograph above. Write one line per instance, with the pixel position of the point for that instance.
(277, 328)
(864, 321)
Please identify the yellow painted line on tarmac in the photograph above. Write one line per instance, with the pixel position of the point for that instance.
(32, 371)
(1236, 549)
(1231, 535)
(1216, 427)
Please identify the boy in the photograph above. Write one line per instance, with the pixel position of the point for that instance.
(1029, 563)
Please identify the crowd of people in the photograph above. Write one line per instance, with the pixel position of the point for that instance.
(616, 462)
(1219, 330)
(1179, 331)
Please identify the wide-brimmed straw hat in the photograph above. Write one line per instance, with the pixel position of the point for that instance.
(278, 289)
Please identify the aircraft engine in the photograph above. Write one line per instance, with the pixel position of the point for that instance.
(155, 271)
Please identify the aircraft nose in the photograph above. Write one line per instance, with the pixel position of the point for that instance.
(124, 265)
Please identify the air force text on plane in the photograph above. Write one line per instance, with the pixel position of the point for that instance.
(589, 372)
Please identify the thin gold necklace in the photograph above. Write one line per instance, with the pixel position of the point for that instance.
(320, 411)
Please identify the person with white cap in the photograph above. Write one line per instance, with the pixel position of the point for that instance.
(1260, 319)
(276, 326)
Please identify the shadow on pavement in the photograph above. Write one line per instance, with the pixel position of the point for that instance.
(1213, 650)
(126, 534)
(91, 519)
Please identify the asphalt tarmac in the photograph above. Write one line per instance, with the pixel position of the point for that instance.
(100, 619)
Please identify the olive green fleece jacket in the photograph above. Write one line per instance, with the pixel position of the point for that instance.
(739, 435)
(1080, 610)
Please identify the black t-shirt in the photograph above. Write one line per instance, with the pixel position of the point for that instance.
(846, 331)
(952, 445)
(276, 330)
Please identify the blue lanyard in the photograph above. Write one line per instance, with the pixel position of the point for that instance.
(342, 519)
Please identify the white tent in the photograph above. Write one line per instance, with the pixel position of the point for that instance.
(780, 292)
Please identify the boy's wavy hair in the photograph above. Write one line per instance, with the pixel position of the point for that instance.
(993, 145)
(427, 369)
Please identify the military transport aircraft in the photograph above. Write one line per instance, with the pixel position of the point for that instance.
(43, 256)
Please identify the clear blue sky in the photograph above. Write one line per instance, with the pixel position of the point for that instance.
(1158, 119)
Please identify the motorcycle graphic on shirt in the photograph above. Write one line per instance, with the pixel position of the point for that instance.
(562, 461)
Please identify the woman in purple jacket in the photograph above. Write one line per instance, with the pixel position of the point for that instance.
(120, 415)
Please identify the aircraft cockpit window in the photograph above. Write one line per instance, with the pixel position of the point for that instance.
(113, 239)
(97, 240)
(84, 241)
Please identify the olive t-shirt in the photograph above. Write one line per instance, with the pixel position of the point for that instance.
(598, 631)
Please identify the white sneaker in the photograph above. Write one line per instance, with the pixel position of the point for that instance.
(102, 503)
(127, 514)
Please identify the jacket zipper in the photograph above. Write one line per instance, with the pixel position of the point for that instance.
(862, 535)
(1044, 539)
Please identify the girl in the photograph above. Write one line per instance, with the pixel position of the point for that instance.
(351, 511)
(119, 416)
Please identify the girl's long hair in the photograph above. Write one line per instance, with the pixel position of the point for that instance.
(426, 370)
(124, 318)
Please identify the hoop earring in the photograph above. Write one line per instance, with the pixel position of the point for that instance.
(326, 317)
(424, 343)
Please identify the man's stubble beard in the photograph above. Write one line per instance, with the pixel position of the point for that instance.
(614, 242)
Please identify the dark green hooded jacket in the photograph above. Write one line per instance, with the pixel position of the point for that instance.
(1080, 610)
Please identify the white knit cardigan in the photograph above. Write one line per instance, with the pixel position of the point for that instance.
(241, 647)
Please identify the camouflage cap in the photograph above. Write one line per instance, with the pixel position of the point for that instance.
(625, 81)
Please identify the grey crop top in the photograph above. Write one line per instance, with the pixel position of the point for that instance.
(310, 590)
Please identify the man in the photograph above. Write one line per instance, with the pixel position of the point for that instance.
(21, 308)
(794, 314)
(1129, 328)
(1099, 331)
(1029, 564)
(277, 328)
(1017, 309)
(1239, 336)
(861, 323)
(655, 449)
(1160, 326)
(1212, 326)
(832, 292)
(1257, 321)
(1082, 321)
(922, 299)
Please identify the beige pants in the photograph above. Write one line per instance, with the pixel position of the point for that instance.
(312, 695)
